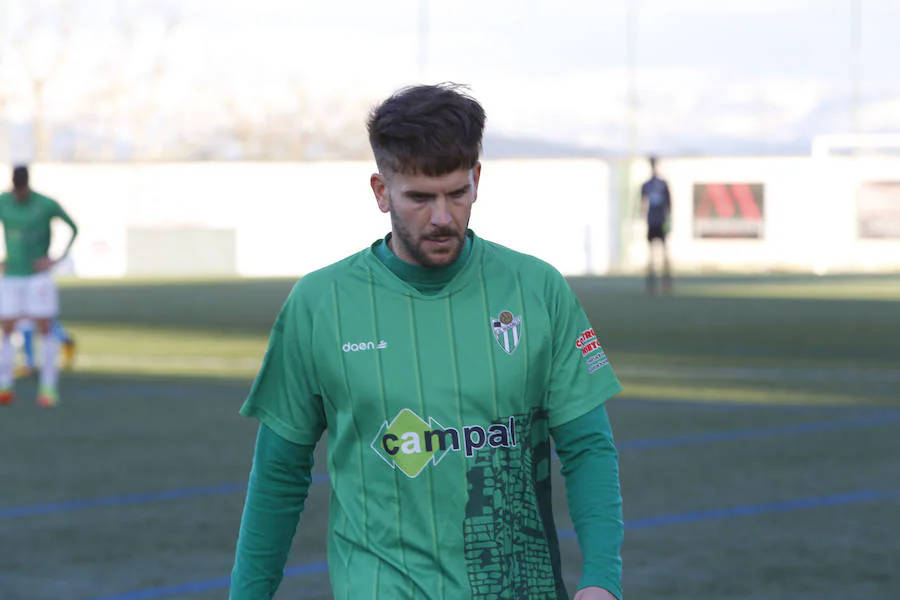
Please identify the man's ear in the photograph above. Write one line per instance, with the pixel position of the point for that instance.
(382, 194)
(476, 177)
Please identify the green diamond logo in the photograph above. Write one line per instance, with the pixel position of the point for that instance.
(409, 443)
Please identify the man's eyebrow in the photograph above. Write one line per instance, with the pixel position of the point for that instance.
(418, 194)
(461, 190)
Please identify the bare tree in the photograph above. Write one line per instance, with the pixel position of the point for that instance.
(43, 59)
(110, 102)
(122, 98)
(298, 128)
(47, 44)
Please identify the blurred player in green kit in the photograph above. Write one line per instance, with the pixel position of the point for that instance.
(439, 365)
(27, 290)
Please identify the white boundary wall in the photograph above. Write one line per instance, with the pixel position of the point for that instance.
(292, 218)
(810, 215)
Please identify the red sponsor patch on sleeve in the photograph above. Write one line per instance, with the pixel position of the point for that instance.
(591, 346)
(586, 336)
(591, 350)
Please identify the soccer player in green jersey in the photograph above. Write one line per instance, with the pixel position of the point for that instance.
(27, 290)
(439, 365)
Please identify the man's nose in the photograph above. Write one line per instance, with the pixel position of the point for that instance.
(440, 213)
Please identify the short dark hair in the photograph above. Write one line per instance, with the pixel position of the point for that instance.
(20, 176)
(428, 129)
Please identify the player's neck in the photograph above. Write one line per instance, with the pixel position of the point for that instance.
(404, 256)
(416, 274)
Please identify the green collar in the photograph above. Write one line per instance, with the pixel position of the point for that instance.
(426, 280)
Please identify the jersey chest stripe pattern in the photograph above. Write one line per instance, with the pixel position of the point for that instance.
(454, 358)
(415, 334)
(527, 362)
(395, 476)
(382, 395)
(336, 302)
(488, 342)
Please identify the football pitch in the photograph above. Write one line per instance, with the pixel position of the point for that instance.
(759, 432)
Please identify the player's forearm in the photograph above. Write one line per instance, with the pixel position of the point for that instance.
(71, 239)
(279, 484)
(590, 465)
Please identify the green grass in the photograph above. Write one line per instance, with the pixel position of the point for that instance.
(783, 389)
(167, 350)
(760, 339)
(817, 288)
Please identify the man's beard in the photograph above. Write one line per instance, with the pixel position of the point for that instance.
(403, 236)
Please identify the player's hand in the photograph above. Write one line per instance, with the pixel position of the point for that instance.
(593, 593)
(43, 264)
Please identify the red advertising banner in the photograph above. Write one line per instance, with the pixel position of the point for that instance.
(729, 210)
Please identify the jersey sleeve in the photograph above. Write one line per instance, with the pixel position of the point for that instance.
(57, 210)
(581, 377)
(285, 394)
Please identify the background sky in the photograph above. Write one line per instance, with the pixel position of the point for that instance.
(712, 76)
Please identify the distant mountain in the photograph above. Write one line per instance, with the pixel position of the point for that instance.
(697, 136)
(501, 146)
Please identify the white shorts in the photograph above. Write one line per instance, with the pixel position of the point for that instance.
(28, 297)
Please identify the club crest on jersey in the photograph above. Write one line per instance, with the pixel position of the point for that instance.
(507, 331)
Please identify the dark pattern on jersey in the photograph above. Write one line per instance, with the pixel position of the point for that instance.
(511, 546)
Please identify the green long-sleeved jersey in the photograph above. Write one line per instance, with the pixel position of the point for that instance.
(438, 407)
(26, 228)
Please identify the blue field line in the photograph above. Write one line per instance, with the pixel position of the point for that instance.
(747, 510)
(173, 590)
(130, 499)
(712, 437)
(208, 585)
(640, 403)
(122, 500)
(874, 420)
(750, 510)
(636, 403)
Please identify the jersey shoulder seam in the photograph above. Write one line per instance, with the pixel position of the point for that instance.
(502, 252)
(314, 287)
